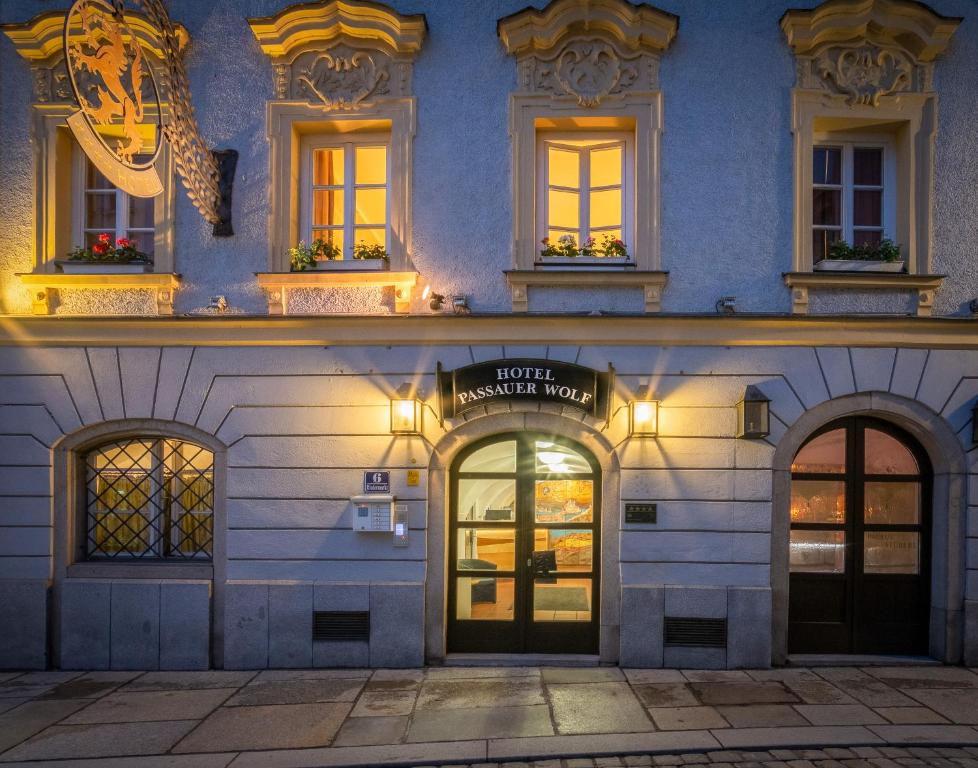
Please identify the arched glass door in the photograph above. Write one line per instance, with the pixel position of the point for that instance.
(523, 547)
(860, 541)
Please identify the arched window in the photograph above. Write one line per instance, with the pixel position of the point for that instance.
(149, 498)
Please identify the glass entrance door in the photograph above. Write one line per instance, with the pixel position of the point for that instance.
(523, 543)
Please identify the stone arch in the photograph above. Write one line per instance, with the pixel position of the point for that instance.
(442, 457)
(948, 520)
(68, 486)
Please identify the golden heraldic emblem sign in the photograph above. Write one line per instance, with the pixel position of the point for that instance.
(118, 124)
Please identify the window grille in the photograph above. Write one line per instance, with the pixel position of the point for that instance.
(150, 498)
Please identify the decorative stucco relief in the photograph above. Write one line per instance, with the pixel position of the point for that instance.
(342, 78)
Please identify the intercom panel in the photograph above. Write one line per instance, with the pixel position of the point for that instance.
(373, 513)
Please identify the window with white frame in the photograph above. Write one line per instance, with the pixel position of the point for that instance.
(345, 194)
(101, 208)
(852, 194)
(585, 194)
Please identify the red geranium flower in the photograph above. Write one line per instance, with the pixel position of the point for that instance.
(123, 242)
(100, 248)
(105, 237)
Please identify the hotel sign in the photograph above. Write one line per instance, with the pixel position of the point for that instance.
(475, 386)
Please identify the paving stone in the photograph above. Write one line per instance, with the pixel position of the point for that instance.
(105, 740)
(801, 764)
(839, 753)
(90, 686)
(883, 762)
(686, 718)
(152, 705)
(909, 715)
(839, 714)
(818, 692)
(177, 681)
(466, 694)
(958, 706)
(813, 754)
(784, 754)
(544, 764)
(481, 723)
(774, 764)
(7, 704)
(581, 675)
(820, 736)
(665, 695)
(760, 715)
(288, 675)
(597, 708)
(32, 717)
(715, 676)
(922, 734)
(925, 677)
(605, 762)
(651, 676)
(868, 690)
(472, 673)
(283, 726)
(369, 731)
(695, 759)
(828, 764)
(892, 752)
(724, 756)
(384, 703)
(742, 693)
(667, 760)
(395, 680)
(33, 684)
(297, 692)
(580, 762)
(783, 675)
(638, 760)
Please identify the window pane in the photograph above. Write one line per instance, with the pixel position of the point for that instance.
(370, 236)
(143, 241)
(486, 499)
(558, 459)
(498, 457)
(327, 167)
(100, 211)
(562, 600)
(484, 599)
(141, 212)
(572, 549)
(827, 207)
(817, 552)
(827, 168)
(563, 501)
(606, 208)
(892, 503)
(867, 166)
(818, 501)
(564, 168)
(371, 165)
(327, 207)
(891, 552)
(885, 455)
(563, 209)
(826, 453)
(606, 167)
(334, 236)
(94, 178)
(867, 237)
(822, 240)
(371, 206)
(867, 208)
(486, 549)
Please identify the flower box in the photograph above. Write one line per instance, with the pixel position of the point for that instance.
(78, 267)
(350, 265)
(858, 265)
(582, 263)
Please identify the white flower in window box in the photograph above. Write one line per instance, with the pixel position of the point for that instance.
(106, 258)
(842, 257)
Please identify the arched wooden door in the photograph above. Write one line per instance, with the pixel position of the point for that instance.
(524, 538)
(860, 541)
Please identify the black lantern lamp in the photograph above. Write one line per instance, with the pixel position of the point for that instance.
(406, 411)
(754, 414)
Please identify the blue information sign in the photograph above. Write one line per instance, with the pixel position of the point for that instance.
(376, 482)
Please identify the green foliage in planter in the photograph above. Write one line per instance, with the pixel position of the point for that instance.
(887, 250)
(104, 252)
(363, 251)
(566, 247)
(303, 257)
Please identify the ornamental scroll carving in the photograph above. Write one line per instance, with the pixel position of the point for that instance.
(343, 81)
(865, 74)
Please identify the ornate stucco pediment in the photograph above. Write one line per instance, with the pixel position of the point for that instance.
(863, 50)
(588, 49)
(340, 53)
(40, 41)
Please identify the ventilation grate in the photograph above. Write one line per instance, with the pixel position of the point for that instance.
(699, 633)
(341, 626)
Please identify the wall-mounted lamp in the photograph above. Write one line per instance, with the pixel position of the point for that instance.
(643, 418)
(406, 411)
(436, 301)
(754, 414)
(460, 305)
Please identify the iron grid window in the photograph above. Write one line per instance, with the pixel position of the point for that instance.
(150, 498)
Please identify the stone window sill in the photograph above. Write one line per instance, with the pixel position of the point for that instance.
(801, 282)
(278, 284)
(141, 570)
(45, 285)
(651, 282)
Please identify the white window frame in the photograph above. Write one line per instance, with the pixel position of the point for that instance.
(848, 142)
(309, 145)
(603, 139)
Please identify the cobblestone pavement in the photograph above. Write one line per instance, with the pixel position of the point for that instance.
(477, 715)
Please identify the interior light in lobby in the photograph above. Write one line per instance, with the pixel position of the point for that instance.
(406, 411)
(754, 414)
(643, 418)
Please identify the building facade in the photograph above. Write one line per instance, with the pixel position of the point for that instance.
(640, 334)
